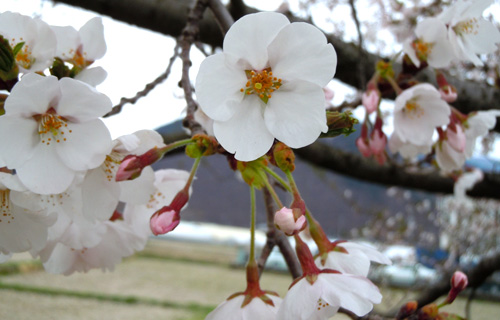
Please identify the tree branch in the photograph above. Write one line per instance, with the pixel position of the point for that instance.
(358, 167)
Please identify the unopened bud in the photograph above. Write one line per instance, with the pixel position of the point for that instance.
(339, 123)
(363, 147)
(448, 93)
(408, 309)
(428, 312)
(456, 138)
(285, 220)
(132, 165)
(164, 220)
(459, 282)
(284, 157)
(370, 100)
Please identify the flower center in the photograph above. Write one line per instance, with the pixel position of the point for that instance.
(78, 59)
(413, 110)
(466, 27)
(422, 49)
(51, 127)
(24, 57)
(322, 304)
(261, 83)
(111, 164)
(5, 209)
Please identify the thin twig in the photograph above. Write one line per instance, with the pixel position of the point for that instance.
(222, 15)
(148, 88)
(186, 40)
(361, 73)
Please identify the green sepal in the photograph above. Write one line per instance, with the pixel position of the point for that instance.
(17, 48)
(250, 172)
(193, 151)
(8, 67)
(59, 69)
(339, 123)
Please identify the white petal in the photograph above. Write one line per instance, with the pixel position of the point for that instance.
(448, 158)
(249, 37)
(18, 139)
(45, 173)
(80, 102)
(68, 41)
(218, 87)
(291, 59)
(245, 134)
(295, 114)
(92, 76)
(410, 52)
(139, 190)
(100, 195)
(34, 94)
(86, 146)
(92, 36)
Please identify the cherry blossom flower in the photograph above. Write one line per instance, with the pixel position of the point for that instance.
(267, 84)
(417, 112)
(468, 32)
(352, 258)
(406, 149)
(431, 46)
(51, 131)
(81, 48)
(329, 291)
(448, 158)
(39, 48)
(256, 309)
(21, 229)
(478, 124)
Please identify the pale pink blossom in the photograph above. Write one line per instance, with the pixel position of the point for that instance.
(81, 47)
(417, 112)
(267, 84)
(431, 46)
(477, 125)
(22, 227)
(322, 298)
(468, 32)
(448, 158)
(456, 137)
(257, 309)
(39, 40)
(51, 131)
(285, 220)
(406, 149)
(352, 258)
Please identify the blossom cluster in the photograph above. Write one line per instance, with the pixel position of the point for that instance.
(424, 119)
(58, 164)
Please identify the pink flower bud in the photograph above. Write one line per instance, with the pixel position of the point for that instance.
(370, 100)
(459, 282)
(363, 147)
(448, 93)
(456, 138)
(164, 220)
(123, 173)
(284, 220)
